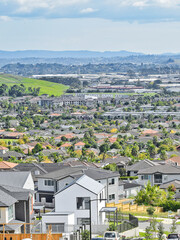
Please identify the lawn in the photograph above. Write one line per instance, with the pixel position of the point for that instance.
(46, 87)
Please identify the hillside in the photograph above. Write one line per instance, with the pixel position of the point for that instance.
(46, 87)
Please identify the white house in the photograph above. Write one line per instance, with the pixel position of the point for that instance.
(52, 182)
(72, 205)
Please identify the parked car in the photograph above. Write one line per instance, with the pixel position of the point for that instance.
(173, 236)
(97, 238)
(111, 235)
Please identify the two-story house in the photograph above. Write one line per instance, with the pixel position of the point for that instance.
(158, 175)
(50, 183)
(141, 165)
(16, 207)
(72, 206)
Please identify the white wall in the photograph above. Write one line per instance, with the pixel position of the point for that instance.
(66, 201)
(67, 219)
(4, 215)
(111, 189)
(29, 184)
(43, 187)
(62, 183)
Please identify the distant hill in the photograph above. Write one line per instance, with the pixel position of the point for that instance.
(46, 87)
(65, 54)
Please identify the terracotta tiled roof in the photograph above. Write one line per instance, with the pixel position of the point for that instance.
(7, 165)
(149, 131)
(66, 145)
(3, 148)
(79, 144)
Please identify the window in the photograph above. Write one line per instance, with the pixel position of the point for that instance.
(37, 172)
(111, 182)
(56, 227)
(83, 203)
(48, 182)
(112, 197)
(145, 177)
(81, 221)
(142, 177)
(10, 212)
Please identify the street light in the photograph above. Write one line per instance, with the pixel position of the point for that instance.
(90, 230)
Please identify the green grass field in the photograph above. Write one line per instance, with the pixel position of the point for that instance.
(46, 87)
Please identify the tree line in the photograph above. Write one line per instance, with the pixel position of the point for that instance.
(18, 90)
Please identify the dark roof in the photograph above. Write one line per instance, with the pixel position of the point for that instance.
(16, 192)
(6, 199)
(43, 168)
(165, 169)
(94, 173)
(143, 164)
(11, 153)
(131, 185)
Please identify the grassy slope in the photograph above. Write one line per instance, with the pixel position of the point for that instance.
(46, 87)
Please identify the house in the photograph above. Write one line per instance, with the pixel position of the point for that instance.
(65, 146)
(131, 189)
(38, 169)
(52, 182)
(16, 206)
(150, 132)
(17, 179)
(79, 146)
(158, 175)
(174, 183)
(175, 161)
(7, 155)
(72, 206)
(3, 150)
(4, 165)
(136, 167)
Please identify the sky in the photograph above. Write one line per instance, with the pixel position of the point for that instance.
(149, 26)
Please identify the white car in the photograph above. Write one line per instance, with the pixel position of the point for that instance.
(111, 235)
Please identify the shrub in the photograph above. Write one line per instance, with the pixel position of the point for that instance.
(150, 210)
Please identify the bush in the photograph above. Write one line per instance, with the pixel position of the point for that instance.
(170, 205)
(85, 235)
(150, 211)
(112, 227)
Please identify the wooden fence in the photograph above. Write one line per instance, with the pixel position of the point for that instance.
(9, 236)
(129, 207)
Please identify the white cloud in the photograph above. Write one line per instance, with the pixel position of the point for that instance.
(29, 5)
(144, 3)
(88, 10)
(5, 18)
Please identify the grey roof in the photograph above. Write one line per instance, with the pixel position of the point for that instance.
(16, 179)
(175, 183)
(43, 168)
(6, 200)
(165, 169)
(128, 185)
(87, 183)
(94, 173)
(61, 173)
(143, 164)
(99, 174)
(16, 192)
(11, 153)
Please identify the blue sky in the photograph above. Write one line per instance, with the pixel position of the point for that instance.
(150, 26)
